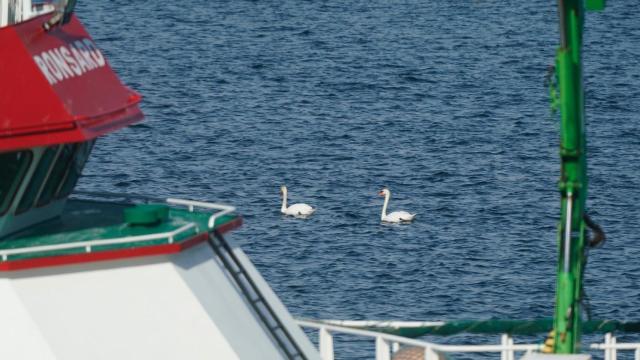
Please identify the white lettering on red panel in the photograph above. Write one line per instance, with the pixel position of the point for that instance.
(69, 61)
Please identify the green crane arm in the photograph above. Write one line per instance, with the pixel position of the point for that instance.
(573, 177)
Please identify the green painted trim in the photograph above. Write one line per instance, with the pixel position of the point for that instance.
(84, 220)
(512, 327)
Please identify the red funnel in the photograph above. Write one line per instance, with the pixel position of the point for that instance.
(57, 87)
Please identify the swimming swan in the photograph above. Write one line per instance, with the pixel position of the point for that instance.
(297, 210)
(396, 216)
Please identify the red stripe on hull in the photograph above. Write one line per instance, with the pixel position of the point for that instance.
(114, 254)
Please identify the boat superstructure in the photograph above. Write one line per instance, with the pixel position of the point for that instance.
(98, 275)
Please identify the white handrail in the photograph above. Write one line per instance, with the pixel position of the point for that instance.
(408, 341)
(367, 333)
(610, 347)
(226, 209)
(190, 204)
(326, 344)
(386, 343)
(170, 235)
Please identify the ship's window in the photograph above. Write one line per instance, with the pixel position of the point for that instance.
(13, 166)
(56, 176)
(38, 177)
(75, 169)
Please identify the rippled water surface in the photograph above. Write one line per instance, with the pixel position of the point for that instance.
(441, 101)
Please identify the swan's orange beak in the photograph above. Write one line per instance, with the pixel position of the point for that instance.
(380, 193)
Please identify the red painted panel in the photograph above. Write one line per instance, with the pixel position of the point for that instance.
(58, 87)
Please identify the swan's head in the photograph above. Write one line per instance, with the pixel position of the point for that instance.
(283, 190)
(383, 192)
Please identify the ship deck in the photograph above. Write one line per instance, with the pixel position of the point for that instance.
(95, 229)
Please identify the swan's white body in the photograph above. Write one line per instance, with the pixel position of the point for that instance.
(297, 210)
(396, 216)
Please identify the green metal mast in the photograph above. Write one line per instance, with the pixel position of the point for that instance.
(573, 177)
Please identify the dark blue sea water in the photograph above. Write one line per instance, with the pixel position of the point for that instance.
(441, 101)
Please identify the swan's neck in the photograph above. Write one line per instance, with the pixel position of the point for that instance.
(384, 207)
(284, 200)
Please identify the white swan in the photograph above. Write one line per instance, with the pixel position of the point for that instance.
(396, 216)
(297, 210)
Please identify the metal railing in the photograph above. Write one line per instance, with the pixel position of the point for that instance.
(611, 347)
(386, 344)
(88, 245)
(190, 204)
(169, 235)
(224, 209)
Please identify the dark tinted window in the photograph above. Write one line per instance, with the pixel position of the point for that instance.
(56, 176)
(13, 166)
(75, 169)
(38, 177)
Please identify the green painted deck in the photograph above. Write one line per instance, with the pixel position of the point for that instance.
(87, 220)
